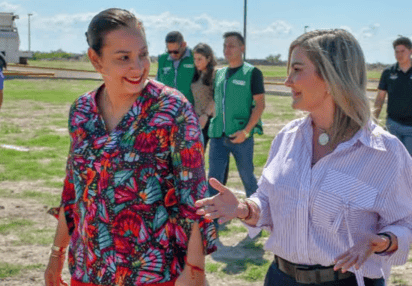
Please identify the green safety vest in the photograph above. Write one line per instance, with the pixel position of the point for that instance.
(233, 102)
(180, 78)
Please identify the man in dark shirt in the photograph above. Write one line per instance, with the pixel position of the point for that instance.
(396, 81)
(239, 103)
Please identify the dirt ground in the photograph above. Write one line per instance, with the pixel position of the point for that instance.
(29, 254)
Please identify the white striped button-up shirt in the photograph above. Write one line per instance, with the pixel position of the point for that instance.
(363, 186)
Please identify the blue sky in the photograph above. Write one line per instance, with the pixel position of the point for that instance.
(272, 25)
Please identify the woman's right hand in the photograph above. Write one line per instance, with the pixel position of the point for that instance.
(223, 206)
(53, 273)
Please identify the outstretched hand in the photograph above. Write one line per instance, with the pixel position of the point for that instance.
(223, 206)
(360, 252)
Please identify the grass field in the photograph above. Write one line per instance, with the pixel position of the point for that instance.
(77, 65)
(268, 71)
(34, 116)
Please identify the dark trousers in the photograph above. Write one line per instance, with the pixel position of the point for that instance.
(276, 277)
(205, 136)
(205, 140)
(219, 154)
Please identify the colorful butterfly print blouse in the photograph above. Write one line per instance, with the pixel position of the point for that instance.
(129, 195)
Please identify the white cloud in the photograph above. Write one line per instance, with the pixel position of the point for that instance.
(61, 31)
(278, 29)
(214, 26)
(370, 31)
(8, 7)
(347, 28)
(168, 21)
(203, 24)
(63, 22)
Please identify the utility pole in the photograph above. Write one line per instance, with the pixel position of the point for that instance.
(244, 27)
(29, 28)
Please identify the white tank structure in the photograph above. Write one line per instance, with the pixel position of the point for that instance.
(10, 41)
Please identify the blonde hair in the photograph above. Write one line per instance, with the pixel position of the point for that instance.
(339, 61)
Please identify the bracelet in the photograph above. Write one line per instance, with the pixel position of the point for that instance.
(249, 209)
(57, 255)
(247, 134)
(194, 268)
(390, 242)
(59, 249)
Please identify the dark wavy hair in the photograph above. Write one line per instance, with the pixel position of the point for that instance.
(207, 52)
(403, 41)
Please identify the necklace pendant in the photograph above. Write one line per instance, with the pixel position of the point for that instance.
(323, 139)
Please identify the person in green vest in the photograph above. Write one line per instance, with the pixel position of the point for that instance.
(176, 67)
(239, 104)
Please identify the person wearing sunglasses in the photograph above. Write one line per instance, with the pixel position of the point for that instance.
(176, 67)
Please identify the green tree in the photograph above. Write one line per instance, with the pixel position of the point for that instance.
(273, 59)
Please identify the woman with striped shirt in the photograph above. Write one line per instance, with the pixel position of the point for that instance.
(336, 191)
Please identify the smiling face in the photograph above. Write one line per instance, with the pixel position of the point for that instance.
(124, 61)
(309, 90)
(201, 61)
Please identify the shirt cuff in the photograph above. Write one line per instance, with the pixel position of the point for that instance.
(254, 230)
(400, 256)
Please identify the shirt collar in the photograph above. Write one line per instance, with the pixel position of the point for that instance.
(398, 69)
(93, 95)
(370, 135)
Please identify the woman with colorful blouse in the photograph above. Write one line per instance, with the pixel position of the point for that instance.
(135, 169)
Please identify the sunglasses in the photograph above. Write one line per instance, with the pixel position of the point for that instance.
(173, 52)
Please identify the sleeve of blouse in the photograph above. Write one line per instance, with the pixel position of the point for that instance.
(68, 194)
(189, 178)
(396, 212)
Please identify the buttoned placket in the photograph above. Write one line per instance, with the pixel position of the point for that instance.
(310, 180)
(303, 202)
(316, 173)
(303, 213)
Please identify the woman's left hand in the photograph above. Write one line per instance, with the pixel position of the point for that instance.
(360, 252)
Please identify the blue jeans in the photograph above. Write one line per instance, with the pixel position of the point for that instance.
(403, 132)
(220, 149)
(276, 277)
